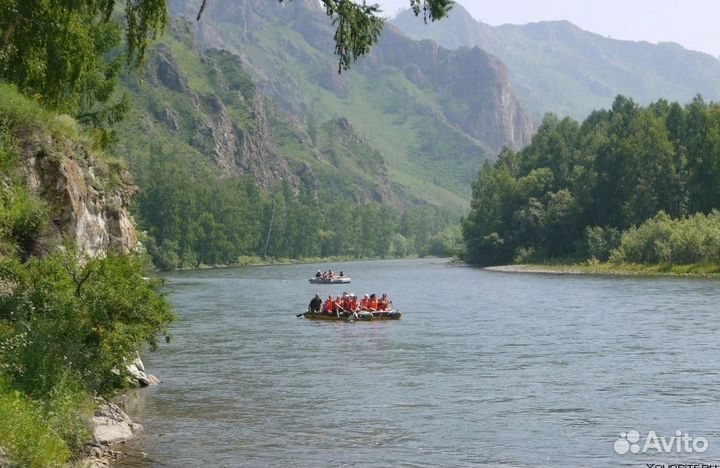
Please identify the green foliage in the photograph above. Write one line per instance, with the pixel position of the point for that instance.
(30, 436)
(447, 243)
(203, 219)
(600, 242)
(63, 53)
(663, 240)
(576, 187)
(83, 319)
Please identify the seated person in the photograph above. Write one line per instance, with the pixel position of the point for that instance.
(373, 304)
(365, 303)
(383, 303)
(329, 306)
(353, 305)
(315, 303)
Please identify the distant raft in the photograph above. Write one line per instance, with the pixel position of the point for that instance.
(359, 317)
(335, 280)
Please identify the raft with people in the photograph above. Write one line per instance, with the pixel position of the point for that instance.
(336, 280)
(328, 277)
(362, 316)
(350, 309)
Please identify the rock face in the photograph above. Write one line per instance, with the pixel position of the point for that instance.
(88, 197)
(473, 85)
(247, 149)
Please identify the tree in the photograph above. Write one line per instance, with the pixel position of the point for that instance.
(63, 52)
(360, 25)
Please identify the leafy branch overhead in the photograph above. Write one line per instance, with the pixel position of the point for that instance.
(358, 26)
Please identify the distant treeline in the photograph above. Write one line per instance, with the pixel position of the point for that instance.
(196, 219)
(610, 186)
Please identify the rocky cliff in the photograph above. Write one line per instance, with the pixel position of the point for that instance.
(472, 84)
(86, 193)
(435, 115)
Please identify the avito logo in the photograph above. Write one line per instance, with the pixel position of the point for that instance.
(679, 443)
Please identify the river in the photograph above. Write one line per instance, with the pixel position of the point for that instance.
(485, 369)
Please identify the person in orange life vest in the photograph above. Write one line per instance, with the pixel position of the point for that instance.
(365, 303)
(353, 305)
(330, 274)
(329, 306)
(345, 301)
(373, 304)
(383, 303)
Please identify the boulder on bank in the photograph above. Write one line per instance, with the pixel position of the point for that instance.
(111, 425)
(137, 371)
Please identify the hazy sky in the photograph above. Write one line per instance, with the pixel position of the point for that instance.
(691, 23)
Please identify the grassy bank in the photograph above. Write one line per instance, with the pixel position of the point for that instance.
(68, 323)
(705, 270)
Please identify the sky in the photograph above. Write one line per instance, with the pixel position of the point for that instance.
(691, 23)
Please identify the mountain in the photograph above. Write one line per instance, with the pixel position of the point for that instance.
(554, 66)
(57, 189)
(433, 114)
(205, 109)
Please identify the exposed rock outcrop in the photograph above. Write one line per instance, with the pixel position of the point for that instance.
(110, 426)
(473, 84)
(88, 197)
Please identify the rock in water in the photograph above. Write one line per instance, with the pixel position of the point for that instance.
(111, 425)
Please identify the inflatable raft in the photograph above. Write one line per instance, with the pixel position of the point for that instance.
(359, 317)
(337, 280)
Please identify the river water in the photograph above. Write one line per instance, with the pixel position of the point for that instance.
(484, 369)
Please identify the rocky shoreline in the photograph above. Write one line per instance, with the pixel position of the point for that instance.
(111, 426)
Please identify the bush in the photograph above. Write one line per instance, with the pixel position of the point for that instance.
(82, 319)
(600, 242)
(661, 239)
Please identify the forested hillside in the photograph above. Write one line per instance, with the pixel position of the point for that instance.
(224, 172)
(434, 114)
(577, 187)
(554, 66)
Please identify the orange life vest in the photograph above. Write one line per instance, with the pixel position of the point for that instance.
(329, 306)
(383, 304)
(373, 305)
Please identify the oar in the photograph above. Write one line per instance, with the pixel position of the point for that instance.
(300, 315)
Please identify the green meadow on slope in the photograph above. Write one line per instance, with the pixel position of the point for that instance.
(434, 138)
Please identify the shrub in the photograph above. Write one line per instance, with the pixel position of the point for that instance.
(600, 242)
(85, 319)
(695, 239)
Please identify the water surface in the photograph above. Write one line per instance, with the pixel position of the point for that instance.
(485, 369)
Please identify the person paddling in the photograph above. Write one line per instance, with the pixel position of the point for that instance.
(315, 304)
(329, 306)
(383, 303)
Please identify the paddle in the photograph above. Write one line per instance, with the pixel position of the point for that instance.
(300, 315)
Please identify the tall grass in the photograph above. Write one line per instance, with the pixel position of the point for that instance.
(43, 433)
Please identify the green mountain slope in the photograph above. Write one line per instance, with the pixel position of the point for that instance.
(205, 109)
(434, 137)
(557, 67)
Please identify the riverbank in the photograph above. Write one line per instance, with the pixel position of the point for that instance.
(111, 426)
(702, 270)
(259, 261)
